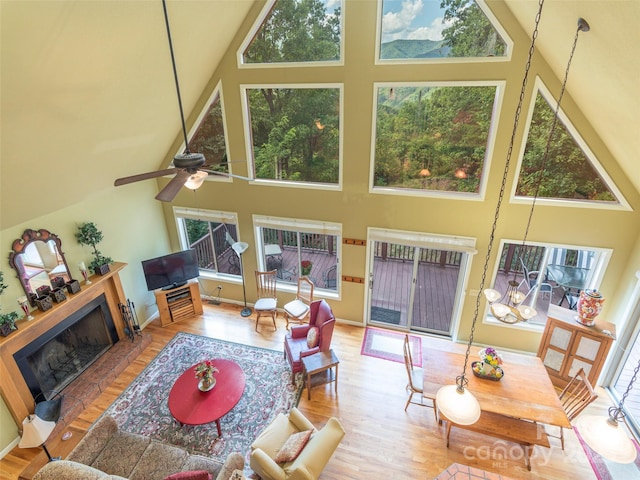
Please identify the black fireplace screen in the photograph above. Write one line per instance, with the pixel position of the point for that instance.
(55, 359)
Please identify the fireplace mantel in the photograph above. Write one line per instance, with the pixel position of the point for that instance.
(13, 388)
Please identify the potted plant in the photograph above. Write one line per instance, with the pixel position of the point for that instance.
(306, 267)
(7, 320)
(88, 234)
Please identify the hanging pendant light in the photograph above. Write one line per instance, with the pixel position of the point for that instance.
(456, 402)
(605, 435)
(508, 306)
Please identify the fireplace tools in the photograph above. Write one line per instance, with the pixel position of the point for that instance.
(130, 319)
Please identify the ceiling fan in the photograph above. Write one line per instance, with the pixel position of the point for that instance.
(190, 168)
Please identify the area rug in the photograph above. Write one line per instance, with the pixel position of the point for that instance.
(607, 470)
(142, 408)
(385, 344)
(385, 315)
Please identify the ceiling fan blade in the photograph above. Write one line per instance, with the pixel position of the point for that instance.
(225, 174)
(143, 176)
(171, 189)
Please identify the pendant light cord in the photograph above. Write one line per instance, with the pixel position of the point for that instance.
(583, 26)
(461, 381)
(175, 76)
(616, 413)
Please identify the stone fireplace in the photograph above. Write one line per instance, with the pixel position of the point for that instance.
(52, 361)
(25, 348)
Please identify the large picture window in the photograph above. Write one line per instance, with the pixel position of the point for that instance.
(432, 137)
(550, 274)
(299, 247)
(294, 31)
(209, 234)
(295, 133)
(570, 170)
(423, 30)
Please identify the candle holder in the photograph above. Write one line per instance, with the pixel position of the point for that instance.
(24, 305)
(85, 274)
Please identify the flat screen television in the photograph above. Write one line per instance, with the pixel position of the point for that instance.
(170, 271)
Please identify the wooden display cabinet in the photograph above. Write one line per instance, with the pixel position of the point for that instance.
(567, 346)
(178, 303)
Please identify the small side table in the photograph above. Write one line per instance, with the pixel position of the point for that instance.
(319, 370)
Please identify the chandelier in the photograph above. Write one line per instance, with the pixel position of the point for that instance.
(456, 402)
(508, 307)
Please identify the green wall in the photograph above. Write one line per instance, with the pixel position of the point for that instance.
(134, 229)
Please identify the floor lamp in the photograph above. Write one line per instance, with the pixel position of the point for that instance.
(240, 248)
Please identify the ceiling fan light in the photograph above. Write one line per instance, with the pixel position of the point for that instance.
(195, 180)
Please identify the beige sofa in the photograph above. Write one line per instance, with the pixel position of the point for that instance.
(106, 452)
(315, 455)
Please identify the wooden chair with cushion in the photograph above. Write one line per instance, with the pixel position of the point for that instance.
(298, 309)
(304, 340)
(575, 397)
(415, 379)
(267, 303)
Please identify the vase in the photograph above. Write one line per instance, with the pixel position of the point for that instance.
(589, 307)
(206, 384)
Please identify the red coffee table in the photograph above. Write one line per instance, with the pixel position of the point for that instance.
(190, 406)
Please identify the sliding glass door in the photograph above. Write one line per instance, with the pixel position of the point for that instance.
(413, 286)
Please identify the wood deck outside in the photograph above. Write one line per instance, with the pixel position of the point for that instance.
(435, 288)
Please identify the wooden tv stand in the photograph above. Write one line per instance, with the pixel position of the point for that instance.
(178, 303)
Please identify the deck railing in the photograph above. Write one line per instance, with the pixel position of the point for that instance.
(214, 241)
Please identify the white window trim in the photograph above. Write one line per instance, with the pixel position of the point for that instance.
(416, 61)
(256, 27)
(623, 204)
(599, 268)
(465, 245)
(491, 140)
(206, 216)
(248, 135)
(217, 91)
(304, 226)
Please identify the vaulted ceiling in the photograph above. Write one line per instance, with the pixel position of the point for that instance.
(87, 93)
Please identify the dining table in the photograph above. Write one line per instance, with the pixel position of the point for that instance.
(525, 390)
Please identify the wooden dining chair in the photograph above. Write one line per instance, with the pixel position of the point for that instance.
(415, 380)
(297, 310)
(575, 397)
(267, 303)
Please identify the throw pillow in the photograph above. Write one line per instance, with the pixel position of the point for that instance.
(237, 475)
(312, 337)
(190, 475)
(293, 446)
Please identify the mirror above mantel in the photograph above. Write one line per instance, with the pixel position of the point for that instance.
(37, 258)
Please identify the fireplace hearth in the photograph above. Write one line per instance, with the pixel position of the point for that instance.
(54, 359)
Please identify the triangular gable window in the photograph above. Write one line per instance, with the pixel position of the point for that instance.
(439, 29)
(296, 31)
(570, 172)
(209, 136)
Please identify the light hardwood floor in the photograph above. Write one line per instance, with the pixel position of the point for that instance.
(382, 441)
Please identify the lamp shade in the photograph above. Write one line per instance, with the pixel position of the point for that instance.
(240, 247)
(607, 438)
(460, 407)
(35, 431)
(196, 180)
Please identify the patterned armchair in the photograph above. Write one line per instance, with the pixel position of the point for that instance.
(297, 342)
